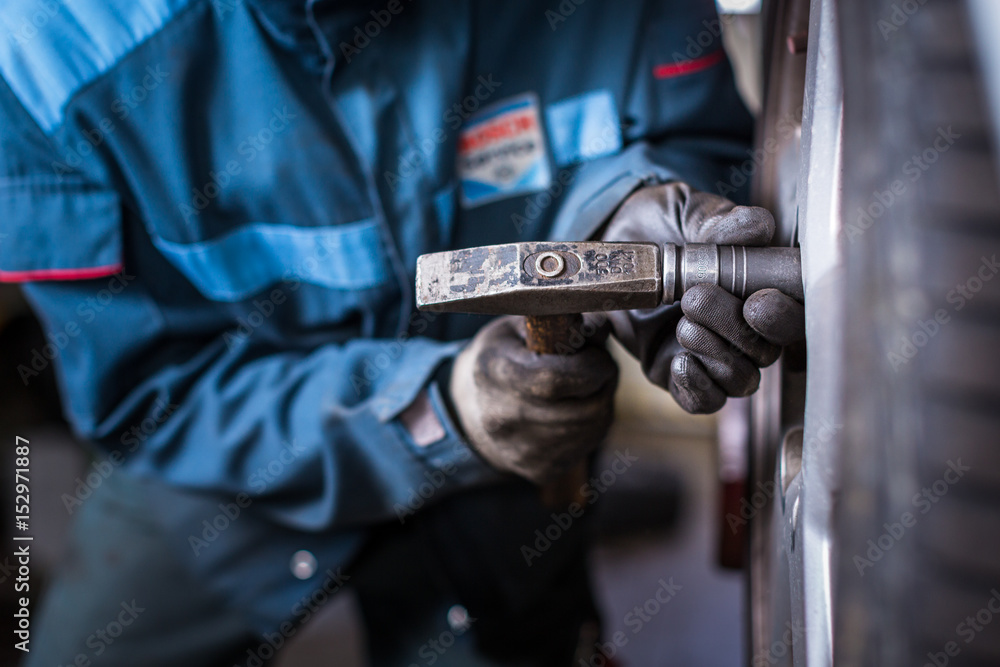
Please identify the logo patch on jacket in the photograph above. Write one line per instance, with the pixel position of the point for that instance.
(501, 152)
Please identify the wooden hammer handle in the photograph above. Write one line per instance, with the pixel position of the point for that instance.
(553, 334)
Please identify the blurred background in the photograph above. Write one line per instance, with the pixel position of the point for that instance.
(659, 521)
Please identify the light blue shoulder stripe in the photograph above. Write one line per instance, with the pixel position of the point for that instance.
(50, 49)
(243, 262)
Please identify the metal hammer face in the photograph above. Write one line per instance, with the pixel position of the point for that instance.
(541, 278)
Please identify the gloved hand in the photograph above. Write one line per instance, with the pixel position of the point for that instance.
(713, 344)
(535, 415)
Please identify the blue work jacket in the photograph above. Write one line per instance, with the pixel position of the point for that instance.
(216, 209)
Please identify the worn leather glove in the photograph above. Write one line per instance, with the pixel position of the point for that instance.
(713, 344)
(535, 415)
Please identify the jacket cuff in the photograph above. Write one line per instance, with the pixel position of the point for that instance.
(450, 452)
(427, 428)
(449, 463)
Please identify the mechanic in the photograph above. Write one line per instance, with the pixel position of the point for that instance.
(260, 177)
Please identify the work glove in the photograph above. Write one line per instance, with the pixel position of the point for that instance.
(534, 415)
(713, 345)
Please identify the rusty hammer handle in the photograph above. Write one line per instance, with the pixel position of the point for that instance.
(551, 334)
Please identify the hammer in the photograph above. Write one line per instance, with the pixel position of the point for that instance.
(551, 283)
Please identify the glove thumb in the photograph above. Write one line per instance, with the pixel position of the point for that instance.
(713, 219)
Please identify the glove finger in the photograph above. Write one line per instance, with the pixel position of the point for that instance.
(507, 364)
(692, 387)
(715, 308)
(552, 436)
(549, 453)
(676, 212)
(590, 372)
(775, 316)
(501, 413)
(547, 377)
(743, 225)
(729, 368)
(583, 418)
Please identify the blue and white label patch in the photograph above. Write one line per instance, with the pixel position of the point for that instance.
(501, 152)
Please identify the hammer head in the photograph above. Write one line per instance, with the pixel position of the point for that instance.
(541, 278)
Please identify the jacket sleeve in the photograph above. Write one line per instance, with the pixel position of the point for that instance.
(163, 384)
(679, 117)
(314, 432)
(601, 185)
